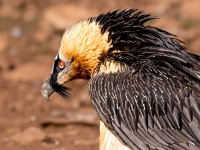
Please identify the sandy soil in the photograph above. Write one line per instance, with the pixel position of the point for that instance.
(30, 34)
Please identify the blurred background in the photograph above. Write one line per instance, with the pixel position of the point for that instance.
(30, 34)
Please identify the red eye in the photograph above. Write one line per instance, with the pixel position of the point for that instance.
(61, 64)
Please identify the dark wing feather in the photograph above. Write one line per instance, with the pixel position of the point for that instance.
(151, 108)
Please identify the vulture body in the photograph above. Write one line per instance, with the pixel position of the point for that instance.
(144, 85)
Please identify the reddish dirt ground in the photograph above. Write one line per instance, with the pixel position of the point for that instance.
(30, 34)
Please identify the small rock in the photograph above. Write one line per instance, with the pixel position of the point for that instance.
(49, 140)
(33, 118)
(16, 32)
(76, 142)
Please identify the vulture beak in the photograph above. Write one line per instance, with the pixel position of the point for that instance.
(47, 89)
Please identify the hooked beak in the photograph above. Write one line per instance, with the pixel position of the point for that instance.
(47, 89)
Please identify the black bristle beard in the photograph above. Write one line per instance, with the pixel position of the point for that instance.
(62, 90)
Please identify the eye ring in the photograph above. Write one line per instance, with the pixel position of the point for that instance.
(61, 65)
